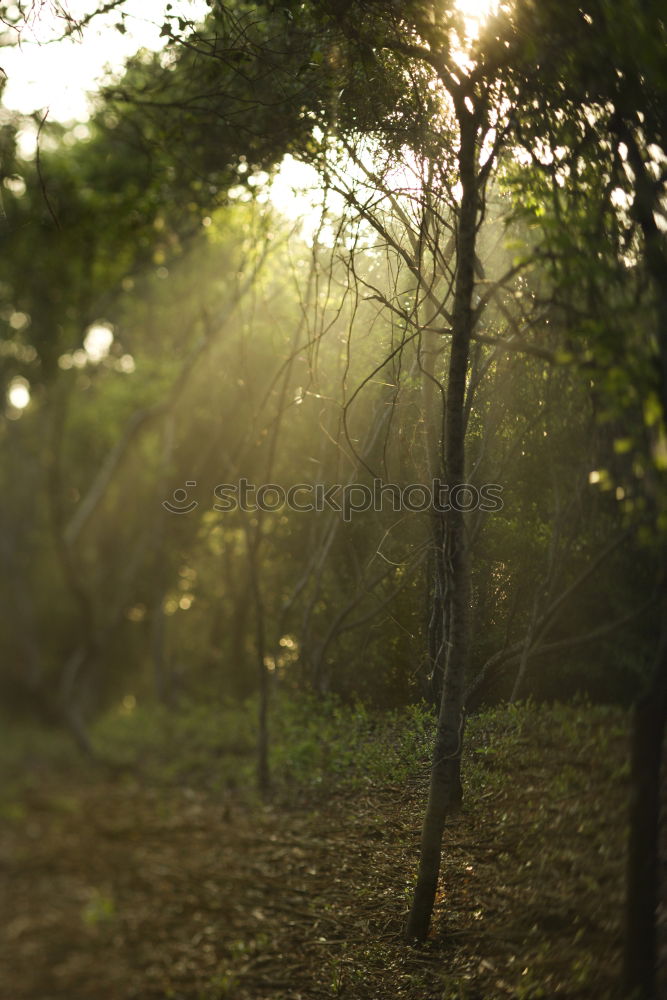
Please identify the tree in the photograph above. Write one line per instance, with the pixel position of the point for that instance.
(600, 118)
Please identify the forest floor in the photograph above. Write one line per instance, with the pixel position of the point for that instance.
(120, 886)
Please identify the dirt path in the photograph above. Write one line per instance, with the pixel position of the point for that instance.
(123, 892)
(119, 890)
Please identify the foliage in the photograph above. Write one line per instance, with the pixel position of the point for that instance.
(144, 221)
(325, 746)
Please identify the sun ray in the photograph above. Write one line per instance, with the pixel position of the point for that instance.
(475, 12)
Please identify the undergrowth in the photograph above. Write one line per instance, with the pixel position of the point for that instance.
(317, 746)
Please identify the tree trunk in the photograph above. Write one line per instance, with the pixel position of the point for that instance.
(253, 542)
(643, 861)
(432, 407)
(438, 617)
(444, 790)
(161, 678)
(73, 672)
(648, 727)
(525, 653)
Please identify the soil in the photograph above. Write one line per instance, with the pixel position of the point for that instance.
(117, 888)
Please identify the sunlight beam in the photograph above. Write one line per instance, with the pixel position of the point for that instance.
(475, 13)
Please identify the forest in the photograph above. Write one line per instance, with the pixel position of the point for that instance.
(333, 646)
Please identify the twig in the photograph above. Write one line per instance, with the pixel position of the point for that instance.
(38, 164)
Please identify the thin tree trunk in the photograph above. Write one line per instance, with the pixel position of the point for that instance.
(77, 669)
(444, 790)
(69, 707)
(161, 679)
(263, 769)
(525, 653)
(161, 671)
(648, 727)
(437, 622)
(643, 868)
(254, 543)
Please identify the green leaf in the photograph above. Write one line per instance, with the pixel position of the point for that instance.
(652, 409)
(623, 445)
